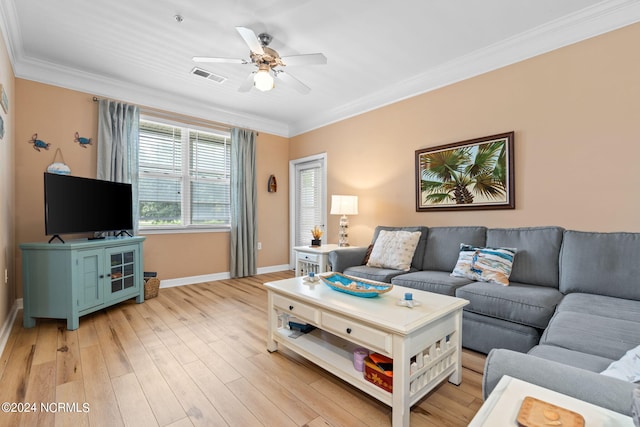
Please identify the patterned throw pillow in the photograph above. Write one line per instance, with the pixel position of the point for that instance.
(485, 264)
(394, 249)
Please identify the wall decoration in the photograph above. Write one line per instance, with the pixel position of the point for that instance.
(272, 185)
(4, 100)
(38, 143)
(468, 175)
(1, 127)
(82, 141)
(59, 167)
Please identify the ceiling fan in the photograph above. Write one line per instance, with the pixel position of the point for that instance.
(268, 62)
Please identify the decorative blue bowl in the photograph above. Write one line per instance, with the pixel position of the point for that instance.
(356, 286)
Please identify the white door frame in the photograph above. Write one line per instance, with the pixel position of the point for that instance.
(322, 157)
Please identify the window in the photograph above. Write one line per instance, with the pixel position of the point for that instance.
(184, 177)
(309, 201)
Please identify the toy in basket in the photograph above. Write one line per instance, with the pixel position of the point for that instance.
(355, 286)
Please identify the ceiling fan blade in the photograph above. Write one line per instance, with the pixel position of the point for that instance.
(308, 59)
(288, 79)
(248, 83)
(251, 39)
(220, 60)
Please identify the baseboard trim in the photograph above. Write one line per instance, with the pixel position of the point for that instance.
(167, 283)
(190, 280)
(8, 324)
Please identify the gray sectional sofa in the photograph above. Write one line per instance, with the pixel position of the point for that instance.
(511, 317)
(573, 303)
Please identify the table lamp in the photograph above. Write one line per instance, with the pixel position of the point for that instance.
(344, 205)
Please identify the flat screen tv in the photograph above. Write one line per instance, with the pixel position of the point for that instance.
(82, 205)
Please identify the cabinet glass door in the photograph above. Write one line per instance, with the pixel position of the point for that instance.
(122, 271)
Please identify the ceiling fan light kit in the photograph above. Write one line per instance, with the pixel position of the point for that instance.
(267, 59)
(263, 80)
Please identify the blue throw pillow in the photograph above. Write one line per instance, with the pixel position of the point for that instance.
(485, 264)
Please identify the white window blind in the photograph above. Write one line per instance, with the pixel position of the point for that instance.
(184, 177)
(309, 201)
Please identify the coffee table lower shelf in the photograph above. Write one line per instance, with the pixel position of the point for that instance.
(333, 354)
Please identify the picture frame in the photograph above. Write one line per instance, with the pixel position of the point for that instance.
(4, 100)
(467, 175)
(1, 127)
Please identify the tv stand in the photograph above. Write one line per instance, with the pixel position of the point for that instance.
(69, 280)
(56, 236)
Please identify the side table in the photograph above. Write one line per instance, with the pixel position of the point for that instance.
(503, 404)
(313, 259)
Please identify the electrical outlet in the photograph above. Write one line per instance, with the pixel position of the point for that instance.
(259, 246)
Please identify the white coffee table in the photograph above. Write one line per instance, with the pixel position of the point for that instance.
(504, 402)
(430, 332)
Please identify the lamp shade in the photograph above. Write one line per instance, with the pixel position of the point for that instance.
(344, 205)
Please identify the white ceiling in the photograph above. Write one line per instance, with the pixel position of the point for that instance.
(378, 51)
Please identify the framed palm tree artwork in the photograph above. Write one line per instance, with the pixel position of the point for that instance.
(467, 175)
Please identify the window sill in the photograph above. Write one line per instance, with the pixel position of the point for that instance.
(149, 231)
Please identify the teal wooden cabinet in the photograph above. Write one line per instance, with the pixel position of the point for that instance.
(69, 280)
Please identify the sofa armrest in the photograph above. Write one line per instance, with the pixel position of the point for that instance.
(600, 390)
(343, 258)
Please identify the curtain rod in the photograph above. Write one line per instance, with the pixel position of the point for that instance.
(190, 119)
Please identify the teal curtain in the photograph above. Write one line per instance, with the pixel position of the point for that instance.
(243, 203)
(118, 141)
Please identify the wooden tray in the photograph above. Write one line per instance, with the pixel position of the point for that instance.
(538, 413)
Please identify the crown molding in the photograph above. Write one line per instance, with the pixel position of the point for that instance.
(601, 18)
(10, 31)
(101, 86)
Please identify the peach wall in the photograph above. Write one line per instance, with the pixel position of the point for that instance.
(273, 227)
(56, 114)
(7, 194)
(575, 113)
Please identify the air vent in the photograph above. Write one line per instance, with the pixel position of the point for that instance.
(207, 75)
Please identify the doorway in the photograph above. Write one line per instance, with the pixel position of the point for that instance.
(307, 199)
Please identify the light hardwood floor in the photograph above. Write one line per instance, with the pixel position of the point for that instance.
(194, 356)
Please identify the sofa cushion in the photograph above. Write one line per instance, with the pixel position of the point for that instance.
(443, 245)
(592, 334)
(416, 262)
(483, 333)
(432, 281)
(586, 361)
(521, 303)
(373, 273)
(394, 249)
(601, 263)
(485, 264)
(538, 252)
(600, 305)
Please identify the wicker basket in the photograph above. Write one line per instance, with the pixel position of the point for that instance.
(151, 287)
